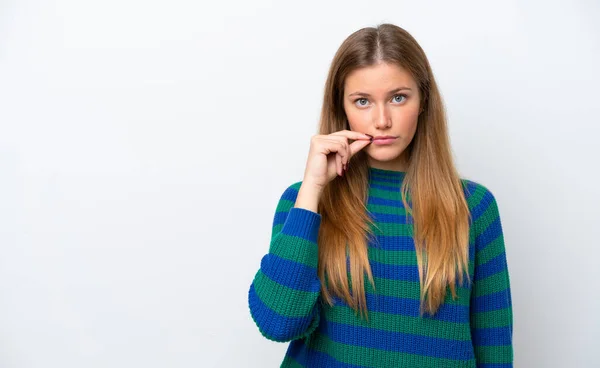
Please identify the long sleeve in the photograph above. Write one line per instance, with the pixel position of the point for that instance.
(491, 305)
(283, 297)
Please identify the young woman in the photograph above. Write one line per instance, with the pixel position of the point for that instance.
(383, 256)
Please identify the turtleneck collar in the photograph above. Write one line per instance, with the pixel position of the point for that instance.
(386, 175)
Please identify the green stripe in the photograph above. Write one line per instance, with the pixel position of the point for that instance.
(494, 354)
(486, 218)
(284, 205)
(283, 300)
(295, 249)
(384, 194)
(491, 250)
(491, 284)
(289, 362)
(492, 319)
(392, 228)
(411, 290)
(370, 357)
(276, 229)
(393, 257)
(475, 199)
(401, 323)
(381, 208)
(391, 187)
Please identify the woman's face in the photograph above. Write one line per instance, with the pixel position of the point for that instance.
(383, 100)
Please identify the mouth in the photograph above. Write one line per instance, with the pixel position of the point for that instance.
(384, 137)
(384, 140)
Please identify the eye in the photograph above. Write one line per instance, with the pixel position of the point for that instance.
(399, 96)
(360, 99)
(364, 99)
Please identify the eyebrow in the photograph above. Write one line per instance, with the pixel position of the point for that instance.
(389, 93)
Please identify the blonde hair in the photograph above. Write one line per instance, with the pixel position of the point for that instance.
(432, 183)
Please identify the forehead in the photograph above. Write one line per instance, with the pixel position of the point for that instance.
(379, 78)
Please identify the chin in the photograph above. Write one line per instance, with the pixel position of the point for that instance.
(385, 155)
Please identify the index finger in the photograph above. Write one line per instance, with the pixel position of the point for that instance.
(351, 134)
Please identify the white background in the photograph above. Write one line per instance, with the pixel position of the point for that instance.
(144, 146)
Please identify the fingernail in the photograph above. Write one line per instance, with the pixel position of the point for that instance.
(369, 135)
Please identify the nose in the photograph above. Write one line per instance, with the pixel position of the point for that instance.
(383, 119)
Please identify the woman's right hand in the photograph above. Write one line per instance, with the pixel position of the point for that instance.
(329, 155)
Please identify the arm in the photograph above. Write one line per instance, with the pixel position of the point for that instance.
(491, 303)
(283, 295)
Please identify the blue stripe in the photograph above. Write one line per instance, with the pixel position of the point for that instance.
(491, 267)
(386, 187)
(388, 217)
(494, 365)
(493, 336)
(490, 234)
(300, 218)
(279, 218)
(394, 178)
(291, 274)
(410, 307)
(311, 358)
(491, 302)
(471, 250)
(393, 242)
(397, 341)
(469, 188)
(394, 272)
(290, 194)
(384, 202)
(399, 272)
(486, 200)
(302, 223)
(272, 324)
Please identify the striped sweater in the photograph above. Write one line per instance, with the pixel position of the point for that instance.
(473, 331)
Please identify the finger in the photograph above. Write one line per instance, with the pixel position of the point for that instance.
(338, 164)
(342, 143)
(351, 134)
(349, 154)
(336, 147)
(344, 149)
(357, 146)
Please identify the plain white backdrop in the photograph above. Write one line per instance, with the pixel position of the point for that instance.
(144, 146)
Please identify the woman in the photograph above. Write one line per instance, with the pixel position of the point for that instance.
(381, 198)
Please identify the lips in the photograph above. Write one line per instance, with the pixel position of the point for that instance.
(383, 141)
(384, 137)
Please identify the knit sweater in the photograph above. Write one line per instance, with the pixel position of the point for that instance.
(474, 330)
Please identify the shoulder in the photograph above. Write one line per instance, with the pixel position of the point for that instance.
(476, 193)
(485, 215)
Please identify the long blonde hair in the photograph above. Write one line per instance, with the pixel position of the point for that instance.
(432, 183)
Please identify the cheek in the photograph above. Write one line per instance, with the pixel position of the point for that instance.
(407, 117)
(356, 121)
(357, 125)
(411, 124)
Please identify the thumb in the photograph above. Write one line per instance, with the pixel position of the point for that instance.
(358, 145)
